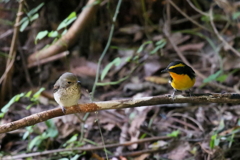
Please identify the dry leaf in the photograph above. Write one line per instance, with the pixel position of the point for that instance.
(180, 152)
(157, 80)
(142, 157)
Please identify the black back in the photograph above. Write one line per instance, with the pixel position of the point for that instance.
(181, 70)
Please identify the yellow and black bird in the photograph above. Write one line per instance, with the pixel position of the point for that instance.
(182, 77)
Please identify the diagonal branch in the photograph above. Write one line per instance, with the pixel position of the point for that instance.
(70, 37)
(118, 104)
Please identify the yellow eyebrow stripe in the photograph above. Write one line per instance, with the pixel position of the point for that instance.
(178, 65)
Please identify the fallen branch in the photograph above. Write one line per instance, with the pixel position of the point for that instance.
(119, 104)
(49, 59)
(81, 149)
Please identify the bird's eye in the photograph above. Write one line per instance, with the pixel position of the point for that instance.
(69, 82)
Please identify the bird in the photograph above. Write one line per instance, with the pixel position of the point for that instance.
(182, 77)
(67, 90)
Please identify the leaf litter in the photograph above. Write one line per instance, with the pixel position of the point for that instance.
(199, 131)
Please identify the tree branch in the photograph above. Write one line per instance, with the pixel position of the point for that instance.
(118, 104)
(80, 149)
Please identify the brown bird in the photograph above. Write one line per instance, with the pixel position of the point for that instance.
(67, 90)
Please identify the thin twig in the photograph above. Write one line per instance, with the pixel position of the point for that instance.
(185, 15)
(218, 35)
(178, 21)
(80, 149)
(190, 118)
(24, 64)
(7, 76)
(196, 9)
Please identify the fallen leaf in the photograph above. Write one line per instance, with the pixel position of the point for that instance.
(180, 152)
(195, 47)
(142, 157)
(157, 80)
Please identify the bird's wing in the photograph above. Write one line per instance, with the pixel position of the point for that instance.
(55, 88)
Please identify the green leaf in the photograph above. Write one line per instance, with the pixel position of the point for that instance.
(212, 77)
(52, 130)
(140, 49)
(34, 10)
(115, 62)
(24, 25)
(161, 42)
(2, 115)
(72, 17)
(37, 94)
(41, 35)
(75, 157)
(222, 78)
(214, 141)
(35, 142)
(71, 140)
(221, 125)
(157, 48)
(23, 20)
(25, 135)
(235, 15)
(35, 16)
(28, 94)
(53, 34)
(173, 134)
(64, 32)
(3, 54)
(143, 136)
(14, 99)
(29, 106)
(113, 83)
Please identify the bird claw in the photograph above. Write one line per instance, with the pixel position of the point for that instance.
(173, 95)
(63, 109)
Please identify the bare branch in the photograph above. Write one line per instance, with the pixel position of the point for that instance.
(118, 104)
(218, 35)
(80, 149)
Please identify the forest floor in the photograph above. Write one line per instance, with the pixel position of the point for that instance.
(148, 35)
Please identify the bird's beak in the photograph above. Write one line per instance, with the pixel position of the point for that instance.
(165, 70)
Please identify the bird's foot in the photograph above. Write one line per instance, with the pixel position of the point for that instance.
(63, 109)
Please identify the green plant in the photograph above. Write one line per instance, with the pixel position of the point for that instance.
(215, 140)
(73, 142)
(55, 34)
(34, 99)
(49, 133)
(159, 45)
(31, 16)
(117, 61)
(219, 76)
(174, 133)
